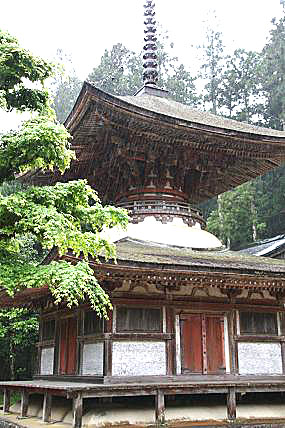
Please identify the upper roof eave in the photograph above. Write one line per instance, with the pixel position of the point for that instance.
(200, 120)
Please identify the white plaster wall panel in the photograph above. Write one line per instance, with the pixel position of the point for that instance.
(92, 358)
(47, 359)
(139, 358)
(259, 358)
(178, 345)
(226, 344)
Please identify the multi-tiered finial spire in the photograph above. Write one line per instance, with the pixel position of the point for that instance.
(150, 74)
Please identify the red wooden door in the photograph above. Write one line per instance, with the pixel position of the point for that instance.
(202, 343)
(215, 344)
(192, 343)
(68, 346)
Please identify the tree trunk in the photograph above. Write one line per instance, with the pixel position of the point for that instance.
(253, 217)
(12, 361)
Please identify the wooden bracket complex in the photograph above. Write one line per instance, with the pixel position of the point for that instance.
(231, 293)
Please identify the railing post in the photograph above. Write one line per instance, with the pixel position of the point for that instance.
(7, 400)
(231, 404)
(47, 407)
(77, 411)
(159, 408)
(24, 403)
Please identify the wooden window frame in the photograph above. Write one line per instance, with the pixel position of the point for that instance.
(82, 333)
(43, 321)
(259, 336)
(144, 333)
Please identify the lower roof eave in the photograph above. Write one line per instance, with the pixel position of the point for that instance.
(170, 277)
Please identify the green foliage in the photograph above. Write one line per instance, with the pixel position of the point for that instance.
(273, 80)
(271, 201)
(235, 220)
(212, 67)
(251, 89)
(65, 87)
(239, 97)
(69, 217)
(120, 71)
(18, 67)
(18, 325)
(34, 220)
(181, 86)
(66, 93)
(18, 334)
(40, 143)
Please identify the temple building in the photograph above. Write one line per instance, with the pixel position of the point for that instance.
(272, 247)
(196, 328)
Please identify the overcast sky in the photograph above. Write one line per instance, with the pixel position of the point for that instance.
(85, 28)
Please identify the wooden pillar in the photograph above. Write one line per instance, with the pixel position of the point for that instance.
(231, 404)
(47, 407)
(6, 401)
(24, 403)
(77, 411)
(170, 344)
(232, 343)
(159, 408)
(108, 346)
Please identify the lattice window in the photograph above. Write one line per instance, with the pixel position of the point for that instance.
(92, 323)
(258, 323)
(139, 319)
(48, 329)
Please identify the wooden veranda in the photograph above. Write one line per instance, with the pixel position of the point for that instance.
(228, 385)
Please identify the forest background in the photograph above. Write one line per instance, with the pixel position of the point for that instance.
(245, 85)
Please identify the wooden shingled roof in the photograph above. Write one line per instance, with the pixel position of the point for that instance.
(167, 107)
(116, 138)
(164, 266)
(138, 253)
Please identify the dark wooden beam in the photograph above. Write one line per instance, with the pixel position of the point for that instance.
(231, 404)
(159, 408)
(47, 407)
(77, 411)
(24, 403)
(6, 400)
(108, 357)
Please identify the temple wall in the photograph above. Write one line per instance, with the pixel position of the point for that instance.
(139, 358)
(259, 358)
(133, 342)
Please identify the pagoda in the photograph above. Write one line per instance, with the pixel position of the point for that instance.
(190, 318)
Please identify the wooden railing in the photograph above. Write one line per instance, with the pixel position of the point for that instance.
(164, 208)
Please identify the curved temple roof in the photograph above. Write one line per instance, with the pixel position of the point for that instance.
(117, 138)
(151, 105)
(167, 107)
